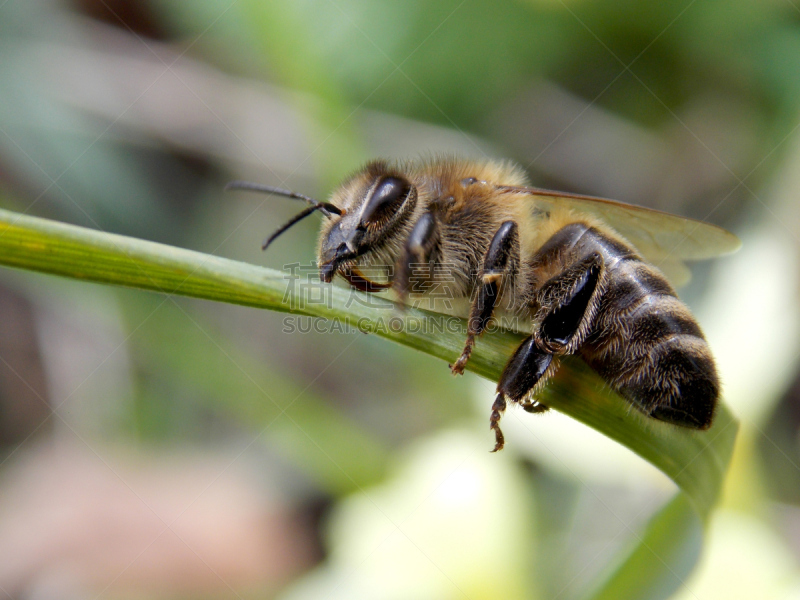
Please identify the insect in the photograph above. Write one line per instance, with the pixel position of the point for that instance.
(588, 274)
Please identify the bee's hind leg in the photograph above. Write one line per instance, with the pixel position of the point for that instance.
(533, 406)
(500, 261)
(567, 305)
(528, 367)
(567, 302)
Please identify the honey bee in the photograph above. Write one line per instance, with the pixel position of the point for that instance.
(589, 275)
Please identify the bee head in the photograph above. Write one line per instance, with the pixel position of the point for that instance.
(374, 203)
(365, 213)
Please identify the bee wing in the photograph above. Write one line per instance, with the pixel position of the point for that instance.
(675, 270)
(659, 236)
(663, 239)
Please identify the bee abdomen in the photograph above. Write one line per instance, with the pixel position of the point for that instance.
(648, 347)
(678, 383)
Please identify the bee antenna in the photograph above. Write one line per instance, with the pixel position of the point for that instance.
(326, 208)
(295, 219)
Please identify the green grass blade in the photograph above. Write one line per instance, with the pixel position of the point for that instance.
(661, 558)
(695, 461)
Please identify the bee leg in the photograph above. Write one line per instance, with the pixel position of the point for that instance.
(533, 406)
(416, 267)
(498, 408)
(567, 304)
(501, 259)
(528, 367)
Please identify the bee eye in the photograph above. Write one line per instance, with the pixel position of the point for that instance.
(387, 198)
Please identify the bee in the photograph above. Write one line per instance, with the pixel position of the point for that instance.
(591, 276)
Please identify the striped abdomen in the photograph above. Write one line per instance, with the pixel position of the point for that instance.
(646, 344)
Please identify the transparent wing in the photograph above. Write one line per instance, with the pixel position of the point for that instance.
(665, 240)
(656, 234)
(675, 270)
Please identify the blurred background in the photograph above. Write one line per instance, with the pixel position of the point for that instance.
(161, 447)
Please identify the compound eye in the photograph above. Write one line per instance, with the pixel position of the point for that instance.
(387, 198)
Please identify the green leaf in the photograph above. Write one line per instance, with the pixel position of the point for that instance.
(696, 461)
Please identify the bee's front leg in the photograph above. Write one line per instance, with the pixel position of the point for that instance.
(501, 261)
(567, 303)
(419, 258)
